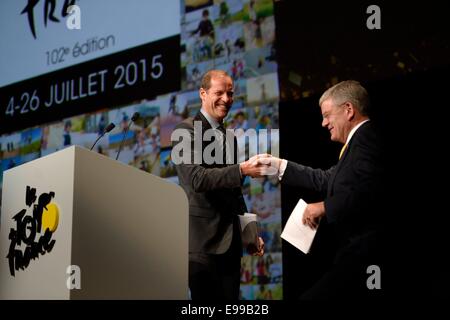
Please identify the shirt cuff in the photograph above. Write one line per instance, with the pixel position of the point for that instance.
(283, 166)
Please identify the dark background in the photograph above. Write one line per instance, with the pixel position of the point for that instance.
(405, 68)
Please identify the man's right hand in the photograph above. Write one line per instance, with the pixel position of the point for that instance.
(260, 165)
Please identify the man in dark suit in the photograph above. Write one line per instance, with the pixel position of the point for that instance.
(212, 179)
(352, 192)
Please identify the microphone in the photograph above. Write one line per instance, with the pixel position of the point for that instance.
(107, 129)
(133, 119)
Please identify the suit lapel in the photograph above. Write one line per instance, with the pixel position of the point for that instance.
(206, 126)
(344, 157)
(339, 165)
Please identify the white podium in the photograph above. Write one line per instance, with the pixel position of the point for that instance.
(114, 232)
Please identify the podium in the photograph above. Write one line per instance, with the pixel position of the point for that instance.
(78, 225)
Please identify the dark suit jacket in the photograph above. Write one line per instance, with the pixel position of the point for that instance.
(214, 193)
(352, 190)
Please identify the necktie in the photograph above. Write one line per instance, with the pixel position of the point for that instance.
(221, 128)
(342, 151)
(222, 139)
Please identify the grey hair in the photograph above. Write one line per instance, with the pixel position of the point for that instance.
(349, 90)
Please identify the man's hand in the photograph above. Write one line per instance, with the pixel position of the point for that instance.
(260, 165)
(273, 162)
(313, 213)
(260, 250)
(253, 168)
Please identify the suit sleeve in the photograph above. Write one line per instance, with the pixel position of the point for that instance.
(199, 176)
(297, 175)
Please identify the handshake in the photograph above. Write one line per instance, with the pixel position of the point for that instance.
(261, 165)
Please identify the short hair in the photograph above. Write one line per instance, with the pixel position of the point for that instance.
(349, 90)
(206, 79)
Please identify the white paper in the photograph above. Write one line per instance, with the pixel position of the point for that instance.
(246, 218)
(249, 229)
(295, 232)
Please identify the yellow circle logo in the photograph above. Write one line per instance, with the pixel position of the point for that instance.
(50, 217)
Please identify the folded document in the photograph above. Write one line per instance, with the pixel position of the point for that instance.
(250, 231)
(295, 232)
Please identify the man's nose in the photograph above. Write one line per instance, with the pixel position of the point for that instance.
(226, 98)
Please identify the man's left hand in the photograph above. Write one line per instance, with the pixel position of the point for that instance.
(260, 251)
(313, 213)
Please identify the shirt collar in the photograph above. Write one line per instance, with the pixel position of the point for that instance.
(354, 130)
(213, 122)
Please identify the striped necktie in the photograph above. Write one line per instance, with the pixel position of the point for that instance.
(222, 138)
(221, 128)
(342, 151)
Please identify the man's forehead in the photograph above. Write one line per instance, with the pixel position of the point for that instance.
(326, 104)
(221, 78)
(222, 83)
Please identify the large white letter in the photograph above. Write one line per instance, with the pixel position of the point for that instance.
(198, 142)
(374, 21)
(181, 151)
(74, 279)
(252, 145)
(74, 19)
(374, 280)
(216, 146)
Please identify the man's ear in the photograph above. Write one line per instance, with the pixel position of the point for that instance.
(201, 93)
(349, 110)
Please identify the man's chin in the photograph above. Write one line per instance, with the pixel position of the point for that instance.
(222, 113)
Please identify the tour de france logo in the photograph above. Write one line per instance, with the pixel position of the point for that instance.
(32, 236)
